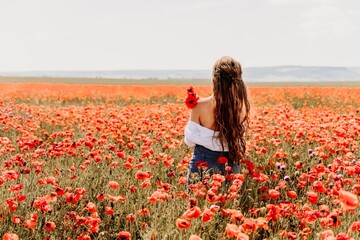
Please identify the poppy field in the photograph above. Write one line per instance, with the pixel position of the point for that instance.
(109, 162)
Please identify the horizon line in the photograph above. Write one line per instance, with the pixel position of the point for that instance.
(175, 69)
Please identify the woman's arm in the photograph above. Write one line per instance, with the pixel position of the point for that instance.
(195, 114)
(195, 117)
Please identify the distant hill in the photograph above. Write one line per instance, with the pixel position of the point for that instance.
(303, 74)
(251, 74)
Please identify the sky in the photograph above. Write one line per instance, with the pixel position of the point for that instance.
(44, 35)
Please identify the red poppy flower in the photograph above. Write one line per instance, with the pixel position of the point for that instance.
(140, 175)
(31, 223)
(242, 236)
(312, 197)
(318, 186)
(194, 212)
(10, 236)
(207, 215)
(49, 226)
(130, 217)
(194, 237)
(144, 211)
(201, 164)
(16, 219)
(348, 200)
(84, 236)
(222, 160)
(119, 198)
(355, 226)
(343, 236)
(109, 210)
(190, 90)
(232, 230)
(124, 235)
(273, 194)
(291, 194)
(236, 216)
(182, 223)
(249, 225)
(114, 184)
(326, 234)
(91, 207)
(192, 98)
(101, 196)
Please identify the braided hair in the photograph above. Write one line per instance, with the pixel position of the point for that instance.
(232, 106)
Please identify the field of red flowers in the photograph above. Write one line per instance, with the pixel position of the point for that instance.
(109, 162)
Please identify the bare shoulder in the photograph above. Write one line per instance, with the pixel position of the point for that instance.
(201, 106)
(205, 101)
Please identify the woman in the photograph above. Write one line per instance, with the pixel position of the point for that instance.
(218, 123)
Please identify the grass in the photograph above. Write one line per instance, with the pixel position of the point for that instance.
(64, 148)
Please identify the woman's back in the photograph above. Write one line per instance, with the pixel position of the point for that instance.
(203, 113)
(226, 111)
(218, 123)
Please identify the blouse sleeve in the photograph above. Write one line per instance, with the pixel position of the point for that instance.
(189, 136)
(195, 134)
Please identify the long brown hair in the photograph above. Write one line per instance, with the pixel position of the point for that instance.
(232, 106)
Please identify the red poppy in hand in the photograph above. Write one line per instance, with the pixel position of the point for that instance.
(192, 98)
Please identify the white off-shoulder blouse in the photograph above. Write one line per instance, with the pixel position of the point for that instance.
(195, 134)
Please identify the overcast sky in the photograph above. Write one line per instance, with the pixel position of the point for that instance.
(176, 34)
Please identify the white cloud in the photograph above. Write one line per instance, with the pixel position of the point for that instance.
(324, 18)
(302, 2)
(285, 2)
(326, 21)
(187, 34)
(208, 4)
(354, 12)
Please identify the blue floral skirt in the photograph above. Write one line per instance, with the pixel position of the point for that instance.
(203, 156)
